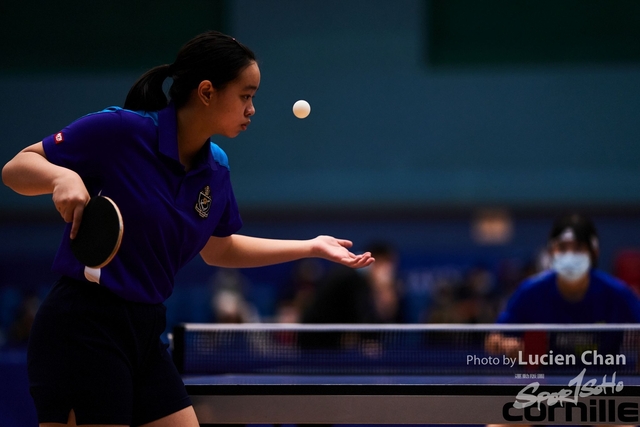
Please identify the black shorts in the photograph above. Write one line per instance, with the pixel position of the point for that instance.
(93, 352)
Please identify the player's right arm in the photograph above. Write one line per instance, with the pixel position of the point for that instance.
(30, 173)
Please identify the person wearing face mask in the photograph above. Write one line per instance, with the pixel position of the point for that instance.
(573, 290)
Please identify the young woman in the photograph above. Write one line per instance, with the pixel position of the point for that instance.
(572, 291)
(95, 354)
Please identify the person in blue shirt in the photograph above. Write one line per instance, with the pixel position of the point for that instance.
(95, 355)
(573, 291)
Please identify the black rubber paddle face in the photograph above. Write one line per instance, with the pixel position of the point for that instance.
(100, 233)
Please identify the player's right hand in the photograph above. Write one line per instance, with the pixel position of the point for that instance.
(70, 196)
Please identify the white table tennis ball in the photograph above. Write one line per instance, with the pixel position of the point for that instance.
(301, 109)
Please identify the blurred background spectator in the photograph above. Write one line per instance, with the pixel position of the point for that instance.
(229, 302)
(295, 295)
(369, 295)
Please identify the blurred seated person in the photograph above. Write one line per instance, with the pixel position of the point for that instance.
(368, 295)
(296, 294)
(572, 291)
(229, 303)
(347, 296)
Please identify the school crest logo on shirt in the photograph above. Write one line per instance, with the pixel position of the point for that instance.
(203, 206)
(59, 137)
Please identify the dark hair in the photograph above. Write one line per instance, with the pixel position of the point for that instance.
(583, 229)
(211, 56)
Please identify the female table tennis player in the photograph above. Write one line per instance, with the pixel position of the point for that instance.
(95, 354)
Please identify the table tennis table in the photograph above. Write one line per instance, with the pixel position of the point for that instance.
(293, 388)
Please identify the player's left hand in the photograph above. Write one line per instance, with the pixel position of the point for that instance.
(336, 250)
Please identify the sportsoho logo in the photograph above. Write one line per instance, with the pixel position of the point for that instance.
(580, 402)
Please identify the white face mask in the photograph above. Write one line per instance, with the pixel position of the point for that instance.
(571, 266)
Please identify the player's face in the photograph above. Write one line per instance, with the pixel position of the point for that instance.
(572, 261)
(234, 103)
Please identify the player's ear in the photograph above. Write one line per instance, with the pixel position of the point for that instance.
(205, 92)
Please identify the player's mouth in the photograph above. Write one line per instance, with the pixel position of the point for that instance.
(245, 125)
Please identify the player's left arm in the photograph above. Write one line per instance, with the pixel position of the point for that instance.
(239, 251)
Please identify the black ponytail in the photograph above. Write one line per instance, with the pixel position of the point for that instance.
(211, 56)
(147, 94)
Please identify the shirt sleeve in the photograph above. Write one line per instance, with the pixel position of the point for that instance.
(85, 144)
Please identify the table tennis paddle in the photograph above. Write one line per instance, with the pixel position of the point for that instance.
(100, 233)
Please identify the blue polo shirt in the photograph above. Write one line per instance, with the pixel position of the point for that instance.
(607, 300)
(538, 300)
(168, 213)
